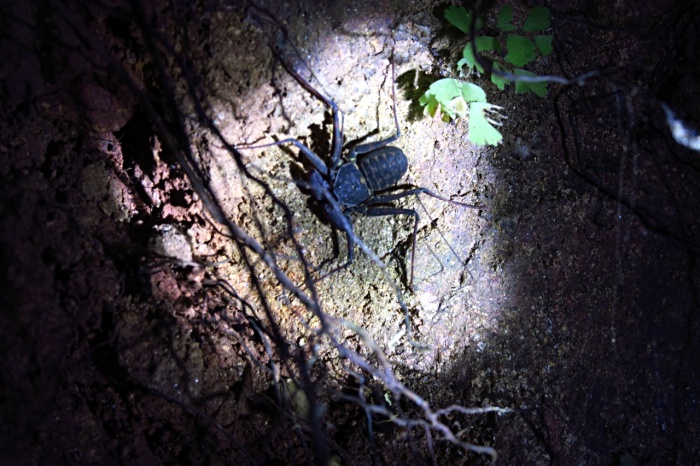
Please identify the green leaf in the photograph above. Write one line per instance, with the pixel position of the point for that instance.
(522, 87)
(521, 50)
(441, 92)
(481, 130)
(431, 105)
(486, 43)
(460, 18)
(446, 89)
(469, 61)
(505, 18)
(482, 43)
(472, 93)
(457, 108)
(452, 95)
(544, 43)
(500, 82)
(538, 20)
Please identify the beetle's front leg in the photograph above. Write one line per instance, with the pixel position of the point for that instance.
(342, 222)
(333, 213)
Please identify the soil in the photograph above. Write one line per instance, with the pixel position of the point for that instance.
(142, 324)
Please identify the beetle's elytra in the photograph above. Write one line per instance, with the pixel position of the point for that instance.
(384, 167)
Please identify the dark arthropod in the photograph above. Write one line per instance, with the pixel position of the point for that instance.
(362, 180)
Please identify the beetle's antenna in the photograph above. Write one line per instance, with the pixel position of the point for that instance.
(393, 93)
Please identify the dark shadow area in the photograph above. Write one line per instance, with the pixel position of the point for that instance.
(605, 260)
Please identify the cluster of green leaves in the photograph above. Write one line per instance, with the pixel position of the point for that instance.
(520, 50)
(455, 98)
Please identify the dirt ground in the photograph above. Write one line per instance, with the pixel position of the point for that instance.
(141, 326)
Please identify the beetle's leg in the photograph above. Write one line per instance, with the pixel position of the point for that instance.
(311, 157)
(415, 191)
(370, 146)
(380, 211)
(321, 191)
(278, 48)
(342, 222)
(337, 142)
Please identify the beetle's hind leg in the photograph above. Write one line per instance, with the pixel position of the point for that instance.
(365, 148)
(391, 211)
(314, 159)
(385, 211)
